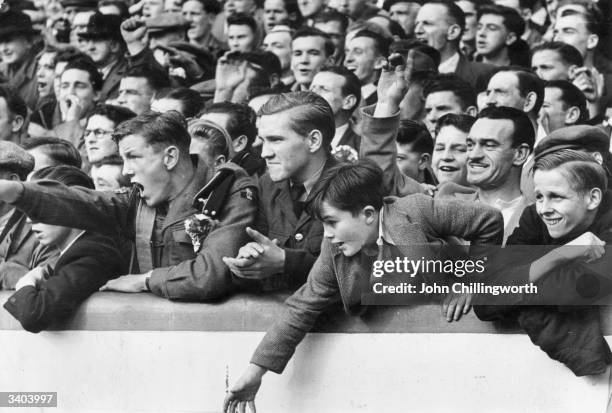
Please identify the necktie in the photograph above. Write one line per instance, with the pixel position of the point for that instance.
(296, 193)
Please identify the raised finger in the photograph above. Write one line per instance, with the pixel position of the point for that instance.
(251, 404)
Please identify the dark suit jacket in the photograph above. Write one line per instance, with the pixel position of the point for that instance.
(475, 73)
(85, 267)
(411, 221)
(351, 138)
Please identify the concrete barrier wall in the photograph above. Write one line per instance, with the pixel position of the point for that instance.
(139, 353)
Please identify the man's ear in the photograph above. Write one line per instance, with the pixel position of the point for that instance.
(380, 62)
(17, 123)
(472, 111)
(592, 41)
(424, 161)
(530, 102)
(453, 32)
(572, 115)
(370, 214)
(571, 72)
(511, 38)
(315, 140)
(115, 47)
(598, 157)
(172, 155)
(240, 143)
(220, 160)
(521, 153)
(594, 199)
(349, 102)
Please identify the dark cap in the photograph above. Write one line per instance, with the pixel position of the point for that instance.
(268, 61)
(579, 137)
(15, 157)
(103, 27)
(166, 22)
(82, 4)
(15, 22)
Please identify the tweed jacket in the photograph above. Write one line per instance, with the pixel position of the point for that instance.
(178, 273)
(84, 267)
(411, 221)
(350, 138)
(23, 79)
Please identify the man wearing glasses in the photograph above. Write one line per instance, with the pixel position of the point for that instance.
(100, 126)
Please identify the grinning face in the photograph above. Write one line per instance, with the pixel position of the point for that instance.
(13, 49)
(286, 152)
(307, 59)
(490, 153)
(144, 165)
(449, 158)
(566, 212)
(363, 59)
(348, 232)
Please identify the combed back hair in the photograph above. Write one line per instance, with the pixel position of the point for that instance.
(449, 82)
(88, 66)
(568, 53)
(312, 32)
(351, 85)
(462, 122)
(523, 132)
(511, 18)
(309, 111)
(242, 19)
(217, 137)
(592, 17)
(116, 114)
(349, 187)
(192, 103)
(528, 81)
(60, 151)
(158, 129)
(156, 78)
(241, 119)
(581, 169)
(571, 96)
(66, 174)
(415, 134)
(332, 15)
(456, 15)
(114, 160)
(381, 43)
(14, 103)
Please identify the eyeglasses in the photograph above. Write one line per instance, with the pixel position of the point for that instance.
(98, 133)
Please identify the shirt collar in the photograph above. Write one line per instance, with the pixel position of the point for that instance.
(450, 64)
(339, 134)
(383, 234)
(71, 243)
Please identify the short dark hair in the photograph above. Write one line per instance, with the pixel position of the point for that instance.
(191, 101)
(14, 103)
(571, 96)
(69, 54)
(218, 138)
(88, 66)
(156, 78)
(568, 53)
(210, 6)
(312, 32)
(314, 113)
(114, 160)
(462, 122)
(241, 119)
(66, 174)
(381, 43)
(455, 12)
(116, 114)
(332, 15)
(592, 16)
(415, 134)
(581, 169)
(349, 187)
(242, 19)
(158, 129)
(523, 132)
(528, 81)
(60, 151)
(511, 18)
(351, 85)
(449, 82)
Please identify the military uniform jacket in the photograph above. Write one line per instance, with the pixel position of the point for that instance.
(179, 273)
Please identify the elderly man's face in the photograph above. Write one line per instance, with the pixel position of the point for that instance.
(135, 94)
(503, 90)
(13, 49)
(432, 26)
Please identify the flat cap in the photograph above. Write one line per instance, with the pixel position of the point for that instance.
(579, 137)
(14, 156)
(166, 21)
